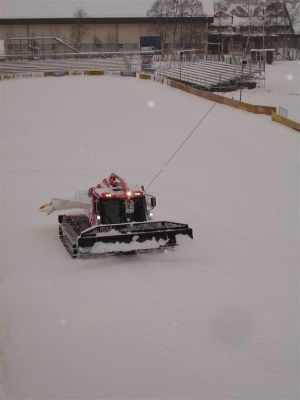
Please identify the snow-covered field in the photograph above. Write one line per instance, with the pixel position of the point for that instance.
(217, 318)
(282, 86)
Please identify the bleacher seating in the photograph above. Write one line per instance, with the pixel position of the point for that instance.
(111, 64)
(209, 75)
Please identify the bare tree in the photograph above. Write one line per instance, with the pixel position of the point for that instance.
(175, 11)
(179, 13)
(194, 9)
(220, 11)
(160, 9)
(249, 13)
(293, 8)
(169, 12)
(79, 27)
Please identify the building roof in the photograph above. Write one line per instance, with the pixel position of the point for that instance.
(255, 13)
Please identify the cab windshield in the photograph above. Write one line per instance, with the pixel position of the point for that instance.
(112, 211)
(117, 211)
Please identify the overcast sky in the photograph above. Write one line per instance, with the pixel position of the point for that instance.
(66, 8)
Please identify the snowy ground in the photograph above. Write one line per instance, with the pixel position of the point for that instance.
(217, 318)
(281, 88)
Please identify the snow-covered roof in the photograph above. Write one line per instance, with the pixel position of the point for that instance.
(245, 21)
(256, 13)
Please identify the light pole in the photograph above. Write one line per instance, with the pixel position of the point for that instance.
(264, 35)
(241, 82)
(180, 62)
(181, 15)
(180, 52)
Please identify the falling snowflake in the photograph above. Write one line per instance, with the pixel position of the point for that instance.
(150, 103)
(290, 77)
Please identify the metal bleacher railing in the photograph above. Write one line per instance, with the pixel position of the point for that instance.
(190, 66)
(51, 54)
(110, 62)
(209, 75)
(115, 64)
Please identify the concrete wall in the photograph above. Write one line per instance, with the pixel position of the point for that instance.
(7, 31)
(126, 33)
(111, 34)
(129, 33)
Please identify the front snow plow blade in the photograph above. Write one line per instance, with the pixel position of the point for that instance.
(121, 238)
(131, 237)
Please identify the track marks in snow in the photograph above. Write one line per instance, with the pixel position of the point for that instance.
(213, 318)
(182, 335)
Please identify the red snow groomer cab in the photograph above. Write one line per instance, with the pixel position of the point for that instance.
(113, 218)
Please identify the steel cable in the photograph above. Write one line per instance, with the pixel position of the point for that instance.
(180, 146)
